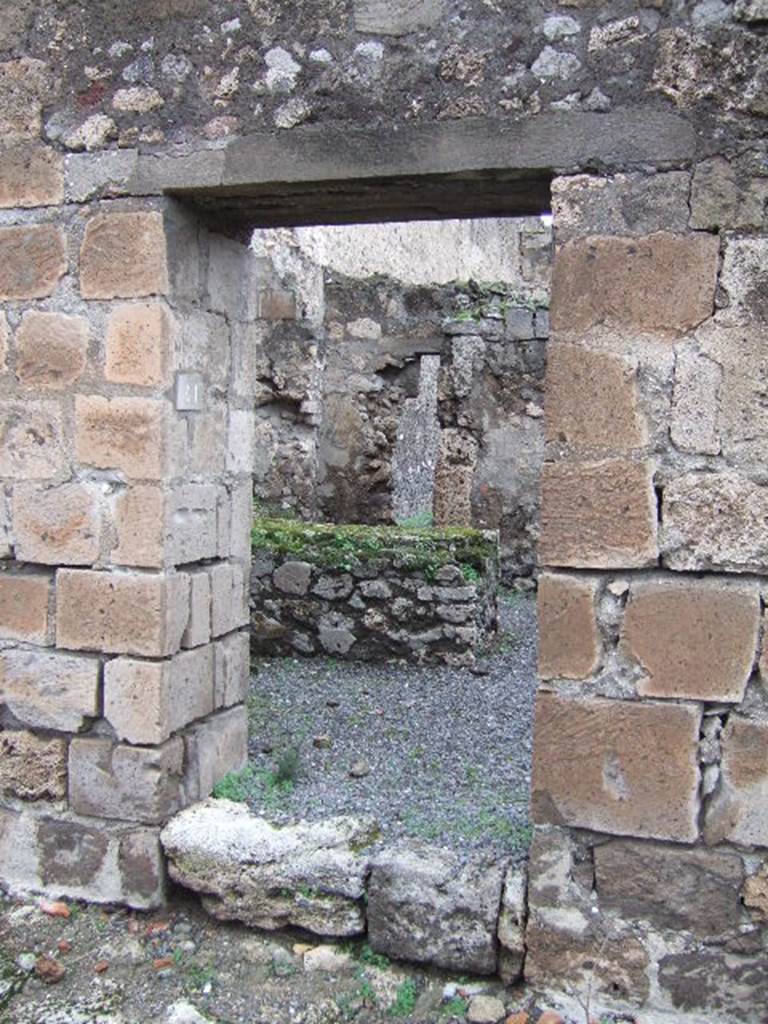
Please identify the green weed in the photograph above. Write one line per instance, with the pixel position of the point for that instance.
(405, 1000)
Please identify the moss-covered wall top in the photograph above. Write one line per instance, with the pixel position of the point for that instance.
(167, 72)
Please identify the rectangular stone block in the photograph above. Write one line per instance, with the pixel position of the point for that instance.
(598, 515)
(146, 701)
(51, 350)
(32, 440)
(108, 780)
(695, 404)
(591, 401)
(683, 890)
(715, 521)
(738, 811)
(743, 279)
(140, 517)
(31, 175)
(239, 504)
(123, 255)
(198, 629)
(240, 441)
(193, 523)
(232, 670)
(125, 434)
(695, 639)
(25, 607)
(141, 867)
(50, 690)
(276, 304)
(233, 278)
(57, 525)
(32, 261)
(660, 284)
(569, 641)
(215, 748)
(229, 598)
(620, 767)
(32, 767)
(139, 345)
(121, 612)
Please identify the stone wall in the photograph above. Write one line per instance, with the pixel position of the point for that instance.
(372, 594)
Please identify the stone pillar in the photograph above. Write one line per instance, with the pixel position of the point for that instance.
(126, 447)
(650, 721)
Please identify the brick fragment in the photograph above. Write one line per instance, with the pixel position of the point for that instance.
(108, 780)
(48, 689)
(124, 256)
(696, 639)
(57, 525)
(31, 175)
(620, 767)
(591, 400)
(661, 283)
(126, 434)
(569, 642)
(121, 613)
(139, 345)
(31, 767)
(32, 260)
(598, 515)
(24, 602)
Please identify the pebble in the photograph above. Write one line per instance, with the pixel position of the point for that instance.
(359, 770)
(321, 742)
(521, 1017)
(26, 962)
(49, 970)
(550, 1017)
(485, 1010)
(328, 959)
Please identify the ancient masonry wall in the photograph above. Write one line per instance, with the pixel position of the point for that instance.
(126, 459)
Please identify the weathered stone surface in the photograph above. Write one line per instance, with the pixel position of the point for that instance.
(57, 525)
(49, 690)
(229, 598)
(661, 284)
(126, 434)
(715, 521)
(598, 514)
(31, 175)
(310, 875)
(214, 748)
(696, 639)
(738, 811)
(680, 889)
(511, 928)
(396, 17)
(24, 607)
(32, 440)
(591, 401)
(193, 523)
(51, 350)
(147, 701)
(745, 279)
(231, 670)
(139, 345)
(108, 780)
(755, 893)
(425, 904)
(696, 403)
(141, 866)
(569, 642)
(718, 200)
(32, 768)
(140, 523)
(617, 766)
(198, 629)
(125, 613)
(23, 85)
(32, 260)
(71, 854)
(714, 982)
(124, 256)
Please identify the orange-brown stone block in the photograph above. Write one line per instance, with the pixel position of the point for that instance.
(661, 283)
(127, 434)
(31, 175)
(620, 767)
(591, 400)
(598, 515)
(138, 347)
(57, 525)
(24, 606)
(32, 260)
(121, 613)
(140, 522)
(124, 256)
(738, 812)
(696, 639)
(569, 642)
(51, 350)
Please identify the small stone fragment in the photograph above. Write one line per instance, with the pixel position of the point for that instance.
(321, 742)
(49, 970)
(359, 770)
(485, 1010)
(54, 908)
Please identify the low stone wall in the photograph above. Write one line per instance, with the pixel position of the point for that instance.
(369, 593)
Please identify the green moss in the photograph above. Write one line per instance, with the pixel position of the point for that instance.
(424, 549)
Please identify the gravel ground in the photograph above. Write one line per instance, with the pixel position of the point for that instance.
(443, 754)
